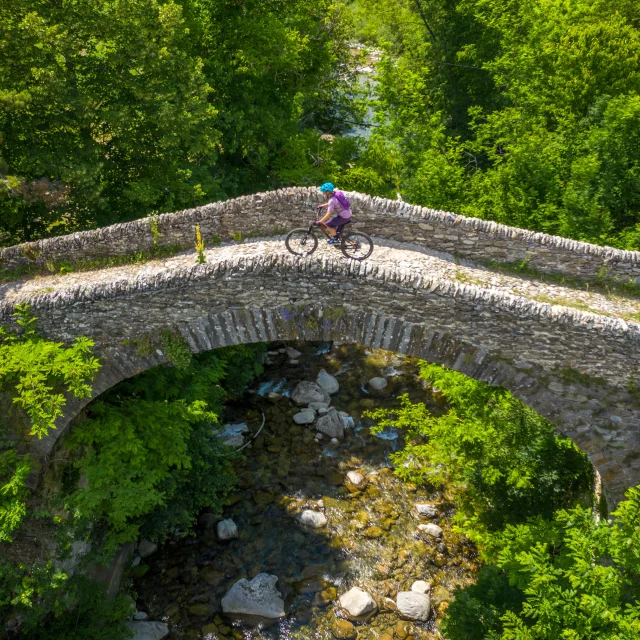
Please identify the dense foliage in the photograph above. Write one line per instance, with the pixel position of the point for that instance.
(36, 371)
(570, 577)
(113, 109)
(34, 374)
(38, 600)
(149, 451)
(149, 460)
(552, 570)
(527, 113)
(504, 461)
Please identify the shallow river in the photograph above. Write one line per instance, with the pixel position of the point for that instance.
(372, 538)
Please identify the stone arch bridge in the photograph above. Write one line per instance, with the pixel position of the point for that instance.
(571, 353)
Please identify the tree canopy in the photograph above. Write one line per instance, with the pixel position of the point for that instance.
(527, 113)
(110, 110)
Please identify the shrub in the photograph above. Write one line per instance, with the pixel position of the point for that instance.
(504, 461)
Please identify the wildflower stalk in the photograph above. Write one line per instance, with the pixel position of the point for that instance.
(200, 246)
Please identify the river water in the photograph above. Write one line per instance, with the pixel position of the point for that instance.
(372, 538)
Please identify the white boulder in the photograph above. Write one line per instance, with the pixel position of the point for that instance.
(327, 382)
(313, 519)
(227, 530)
(308, 392)
(331, 425)
(145, 630)
(306, 416)
(258, 597)
(357, 603)
(356, 478)
(431, 529)
(413, 605)
(378, 384)
(421, 586)
(425, 509)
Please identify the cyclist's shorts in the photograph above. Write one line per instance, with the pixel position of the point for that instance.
(337, 222)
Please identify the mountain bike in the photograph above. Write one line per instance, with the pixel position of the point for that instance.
(353, 244)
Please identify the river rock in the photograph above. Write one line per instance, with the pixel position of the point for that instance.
(211, 576)
(331, 425)
(425, 509)
(145, 630)
(307, 392)
(356, 479)
(421, 586)
(314, 519)
(199, 609)
(140, 615)
(347, 421)
(306, 416)
(293, 354)
(357, 603)
(378, 384)
(227, 530)
(258, 597)
(441, 594)
(414, 606)
(402, 629)
(327, 382)
(343, 629)
(232, 434)
(318, 406)
(431, 529)
(146, 548)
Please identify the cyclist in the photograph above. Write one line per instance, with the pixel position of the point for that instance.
(338, 204)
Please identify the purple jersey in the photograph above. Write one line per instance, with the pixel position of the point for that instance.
(337, 207)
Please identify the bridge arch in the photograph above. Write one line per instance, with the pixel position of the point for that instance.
(571, 367)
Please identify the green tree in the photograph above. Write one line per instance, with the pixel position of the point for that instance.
(36, 601)
(580, 577)
(103, 110)
(149, 450)
(131, 450)
(110, 110)
(503, 461)
(35, 374)
(568, 577)
(520, 112)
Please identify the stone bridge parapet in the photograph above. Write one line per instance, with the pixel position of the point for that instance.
(272, 213)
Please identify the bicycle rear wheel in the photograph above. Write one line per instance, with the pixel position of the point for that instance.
(356, 245)
(301, 242)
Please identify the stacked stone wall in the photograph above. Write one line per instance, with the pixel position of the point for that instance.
(273, 213)
(520, 344)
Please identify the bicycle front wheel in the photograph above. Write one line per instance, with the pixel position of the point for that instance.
(357, 245)
(301, 242)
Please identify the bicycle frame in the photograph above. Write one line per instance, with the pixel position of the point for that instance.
(323, 228)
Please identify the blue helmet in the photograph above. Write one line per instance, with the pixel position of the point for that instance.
(327, 187)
